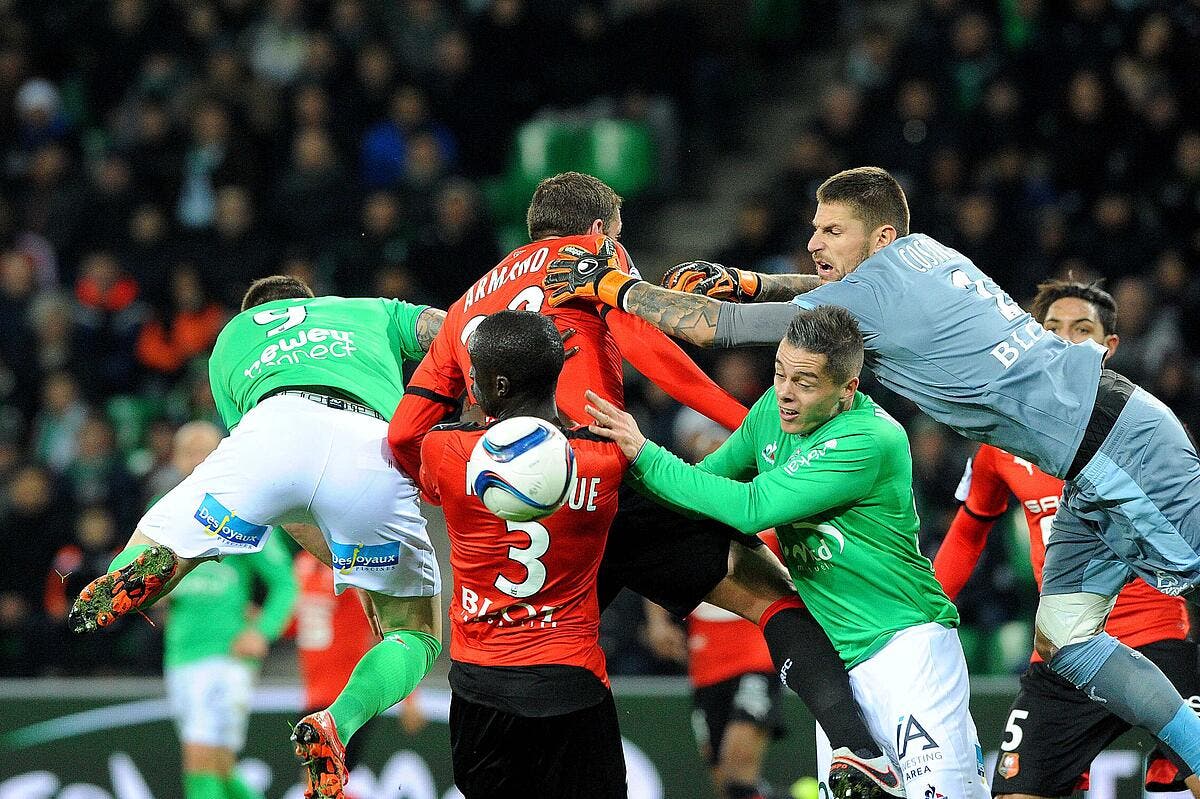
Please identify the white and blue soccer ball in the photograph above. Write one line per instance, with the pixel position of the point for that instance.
(522, 469)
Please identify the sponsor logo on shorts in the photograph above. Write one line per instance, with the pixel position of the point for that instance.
(1170, 585)
(910, 731)
(931, 792)
(365, 557)
(221, 522)
(979, 760)
(1010, 765)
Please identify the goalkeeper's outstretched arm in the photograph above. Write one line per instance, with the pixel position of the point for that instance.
(706, 322)
(781, 288)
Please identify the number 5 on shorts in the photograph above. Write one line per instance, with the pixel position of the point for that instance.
(1012, 731)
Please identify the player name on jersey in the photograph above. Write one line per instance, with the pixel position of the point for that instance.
(504, 273)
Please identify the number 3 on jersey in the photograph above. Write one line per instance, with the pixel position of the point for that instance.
(535, 578)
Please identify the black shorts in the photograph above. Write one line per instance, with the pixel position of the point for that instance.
(754, 697)
(670, 559)
(500, 755)
(1054, 731)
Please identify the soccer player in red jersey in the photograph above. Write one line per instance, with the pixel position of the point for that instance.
(1053, 730)
(532, 713)
(666, 557)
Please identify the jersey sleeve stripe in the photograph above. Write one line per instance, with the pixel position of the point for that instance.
(433, 396)
(983, 517)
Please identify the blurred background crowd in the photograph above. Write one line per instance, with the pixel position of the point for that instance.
(158, 155)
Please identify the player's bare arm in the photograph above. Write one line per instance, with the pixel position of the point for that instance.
(691, 317)
(782, 288)
(429, 322)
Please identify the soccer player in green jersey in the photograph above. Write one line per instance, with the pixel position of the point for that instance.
(832, 473)
(306, 386)
(213, 646)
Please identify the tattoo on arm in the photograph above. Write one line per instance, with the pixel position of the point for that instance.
(429, 322)
(782, 288)
(691, 317)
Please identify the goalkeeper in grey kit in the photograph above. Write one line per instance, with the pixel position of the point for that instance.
(940, 332)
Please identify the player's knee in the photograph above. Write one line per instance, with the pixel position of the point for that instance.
(1065, 619)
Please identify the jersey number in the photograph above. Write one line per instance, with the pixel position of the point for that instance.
(535, 578)
(528, 299)
(1013, 730)
(989, 291)
(290, 317)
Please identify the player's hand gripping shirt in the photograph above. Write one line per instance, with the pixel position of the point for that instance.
(605, 338)
(525, 592)
(942, 333)
(840, 500)
(1142, 614)
(354, 346)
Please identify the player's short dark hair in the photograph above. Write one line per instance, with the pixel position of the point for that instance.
(832, 331)
(568, 203)
(1052, 291)
(523, 346)
(275, 287)
(872, 193)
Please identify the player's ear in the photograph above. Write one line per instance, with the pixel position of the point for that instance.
(598, 228)
(503, 387)
(884, 235)
(849, 389)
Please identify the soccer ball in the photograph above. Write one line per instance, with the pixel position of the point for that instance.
(522, 469)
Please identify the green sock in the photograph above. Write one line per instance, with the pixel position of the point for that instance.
(236, 788)
(126, 556)
(203, 785)
(387, 673)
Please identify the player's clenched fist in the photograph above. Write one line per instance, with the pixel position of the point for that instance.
(577, 272)
(712, 280)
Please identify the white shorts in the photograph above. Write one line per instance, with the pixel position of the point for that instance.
(915, 697)
(294, 460)
(210, 700)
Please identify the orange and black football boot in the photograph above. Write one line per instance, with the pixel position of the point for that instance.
(323, 755)
(108, 598)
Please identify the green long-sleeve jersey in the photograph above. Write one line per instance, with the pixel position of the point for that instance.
(841, 502)
(208, 608)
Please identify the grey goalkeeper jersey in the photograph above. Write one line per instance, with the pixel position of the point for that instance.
(942, 333)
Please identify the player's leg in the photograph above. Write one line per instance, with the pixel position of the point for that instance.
(1051, 735)
(677, 562)
(490, 750)
(915, 695)
(1178, 659)
(368, 513)
(210, 701)
(1091, 543)
(753, 718)
(579, 754)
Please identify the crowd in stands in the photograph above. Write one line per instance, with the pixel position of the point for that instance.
(157, 156)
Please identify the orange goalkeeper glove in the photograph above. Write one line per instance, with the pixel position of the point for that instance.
(713, 280)
(576, 272)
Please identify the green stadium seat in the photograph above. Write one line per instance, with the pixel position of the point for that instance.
(621, 153)
(1010, 647)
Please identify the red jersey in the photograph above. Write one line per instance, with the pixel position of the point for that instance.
(604, 337)
(332, 632)
(525, 592)
(1142, 614)
(722, 645)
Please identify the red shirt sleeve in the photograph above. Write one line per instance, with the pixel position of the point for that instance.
(432, 393)
(985, 497)
(431, 461)
(660, 359)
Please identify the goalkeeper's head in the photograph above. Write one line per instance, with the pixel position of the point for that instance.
(817, 367)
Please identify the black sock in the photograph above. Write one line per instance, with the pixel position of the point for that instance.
(810, 666)
(741, 790)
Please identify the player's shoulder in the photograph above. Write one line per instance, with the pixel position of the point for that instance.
(458, 427)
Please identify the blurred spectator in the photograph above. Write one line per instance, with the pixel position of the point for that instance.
(278, 42)
(385, 145)
(59, 421)
(186, 331)
(382, 244)
(108, 319)
(97, 474)
(459, 245)
(311, 198)
(212, 160)
(40, 121)
(235, 251)
(36, 521)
